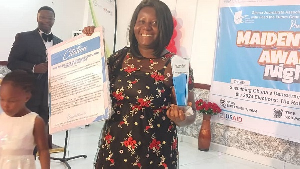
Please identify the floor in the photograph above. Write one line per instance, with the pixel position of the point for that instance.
(85, 140)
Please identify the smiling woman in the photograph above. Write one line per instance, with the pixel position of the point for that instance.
(149, 32)
(145, 28)
(142, 132)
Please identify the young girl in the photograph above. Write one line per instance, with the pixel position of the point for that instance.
(20, 129)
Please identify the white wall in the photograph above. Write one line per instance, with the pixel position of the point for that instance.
(203, 46)
(20, 15)
(125, 12)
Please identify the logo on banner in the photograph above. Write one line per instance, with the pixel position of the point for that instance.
(238, 17)
(223, 103)
(294, 24)
(231, 117)
(277, 113)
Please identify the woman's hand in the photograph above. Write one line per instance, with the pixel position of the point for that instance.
(89, 30)
(176, 113)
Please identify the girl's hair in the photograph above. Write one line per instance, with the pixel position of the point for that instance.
(20, 78)
(165, 26)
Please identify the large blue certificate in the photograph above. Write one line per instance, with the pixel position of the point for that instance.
(78, 82)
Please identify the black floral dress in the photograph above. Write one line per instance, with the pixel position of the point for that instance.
(139, 134)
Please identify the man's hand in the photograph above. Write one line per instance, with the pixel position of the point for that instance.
(89, 30)
(41, 68)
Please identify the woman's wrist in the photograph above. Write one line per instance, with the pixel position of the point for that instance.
(189, 116)
(187, 110)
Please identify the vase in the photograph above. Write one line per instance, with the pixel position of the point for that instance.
(204, 137)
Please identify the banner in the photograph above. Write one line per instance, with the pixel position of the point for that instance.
(256, 77)
(78, 82)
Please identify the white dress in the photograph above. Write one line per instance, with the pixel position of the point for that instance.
(17, 141)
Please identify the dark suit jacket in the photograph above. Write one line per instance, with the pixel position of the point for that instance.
(29, 50)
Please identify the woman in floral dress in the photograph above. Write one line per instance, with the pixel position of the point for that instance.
(142, 131)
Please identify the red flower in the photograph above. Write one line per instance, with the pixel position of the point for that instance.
(158, 110)
(198, 107)
(139, 165)
(134, 82)
(207, 107)
(144, 103)
(151, 61)
(108, 138)
(130, 69)
(122, 122)
(203, 105)
(190, 80)
(154, 145)
(165, 165)
(140, 100)
(199, 102)
(157, 77)
(126, 143)
(130, 142)
(112, 161)
(148, 127)
(119, 96)
(174, 144)
(153, 74)
(164, 107)
(160, 78)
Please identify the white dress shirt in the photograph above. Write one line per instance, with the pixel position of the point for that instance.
(47, 44)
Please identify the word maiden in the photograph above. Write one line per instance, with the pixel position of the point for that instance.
(268, 39)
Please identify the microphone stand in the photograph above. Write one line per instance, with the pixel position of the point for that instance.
(64, 159)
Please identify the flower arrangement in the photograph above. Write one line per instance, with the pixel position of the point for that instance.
(207, 107)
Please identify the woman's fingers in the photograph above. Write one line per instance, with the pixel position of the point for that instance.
(175, 113)
(168, 112)
(89, 30)
(181, 115)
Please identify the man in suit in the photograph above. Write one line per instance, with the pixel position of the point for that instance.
(29, 53)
